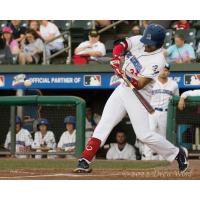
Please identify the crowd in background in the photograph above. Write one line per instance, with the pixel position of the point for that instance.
(25, 44)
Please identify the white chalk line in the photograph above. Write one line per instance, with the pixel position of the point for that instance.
(57, 175)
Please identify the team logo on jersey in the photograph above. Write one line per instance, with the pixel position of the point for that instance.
(2, 81)
(192, 79)
(92, 80)
(148, 36)
(136, 64)
(18, 79)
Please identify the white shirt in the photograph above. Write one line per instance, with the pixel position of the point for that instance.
(48, 140)
(139, 63)
(163, 93)
(98, 46)
(51, 28)
(128, 153)
(23, 139)
(190, 93)
(67, 141)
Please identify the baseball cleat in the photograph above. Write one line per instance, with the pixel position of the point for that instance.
(82, 167)
(182, 160)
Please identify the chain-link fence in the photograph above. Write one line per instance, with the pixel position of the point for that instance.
(184, 126)
(31, 109)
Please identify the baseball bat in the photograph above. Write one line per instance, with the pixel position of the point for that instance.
(144, 102)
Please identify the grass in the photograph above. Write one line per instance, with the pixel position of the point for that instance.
(13, 164)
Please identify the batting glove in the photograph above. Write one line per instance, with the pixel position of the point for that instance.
(115, 64)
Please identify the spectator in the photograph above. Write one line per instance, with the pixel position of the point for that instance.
(68, 138)
(34, 25)
(136, 30)
(5, 53)
(44, 139)
(23, 139)
(92, 119)
(182, 24)
(18, 30)
(180, 52)
(32, 48)
(102, 23)
(49, 31)
(93, 47)
(10, 42)
(121, 150)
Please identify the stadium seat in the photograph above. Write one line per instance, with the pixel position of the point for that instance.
(167, 43)
(24, 23)
(109, 47)
(169, 33)
(191, 33)
(192, 42)
(198, 35)
(196, 24)
(3, 23)
(85, 24)
(63, 25)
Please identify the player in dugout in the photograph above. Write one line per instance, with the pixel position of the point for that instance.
(23, 139)
(44, 139)
(184, 95)
(144, 59)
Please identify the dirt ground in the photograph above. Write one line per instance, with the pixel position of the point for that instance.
(167, 172)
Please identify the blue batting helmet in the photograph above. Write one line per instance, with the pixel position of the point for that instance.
(154, 34)
(18, 120)
(70, 120)
(43, 121)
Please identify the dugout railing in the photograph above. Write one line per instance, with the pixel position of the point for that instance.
(14, 101)
(183, 127)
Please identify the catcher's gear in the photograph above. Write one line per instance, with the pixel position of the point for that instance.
(154, 34)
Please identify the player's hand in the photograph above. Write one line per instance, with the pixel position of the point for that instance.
(115, 64)
(181, 104)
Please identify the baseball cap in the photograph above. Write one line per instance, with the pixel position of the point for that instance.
(7, 29)
(93, 33)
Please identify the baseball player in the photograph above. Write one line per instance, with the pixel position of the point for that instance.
(184, 95)
(91, 121)
(23, 139)
(163, 91)
(121, 150)
(143, 61)
(44, 139)
(68, 138)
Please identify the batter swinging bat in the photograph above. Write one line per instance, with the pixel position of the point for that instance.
(144, 102)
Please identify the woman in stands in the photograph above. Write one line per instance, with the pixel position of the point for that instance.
(32, 48)
(7, 36)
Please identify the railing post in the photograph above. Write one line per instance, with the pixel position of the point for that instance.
(69, 58)
(12, 129)
(80, 128)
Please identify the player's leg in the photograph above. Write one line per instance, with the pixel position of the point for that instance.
(148, 153)
(140, 122)
(162, 127)
(113, 113)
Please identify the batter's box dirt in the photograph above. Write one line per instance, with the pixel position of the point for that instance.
(102, 170)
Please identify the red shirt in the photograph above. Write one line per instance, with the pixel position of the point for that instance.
(183, 25)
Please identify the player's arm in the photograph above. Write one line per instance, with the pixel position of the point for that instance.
(118, 51)
(181, 103)
(141, 82)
